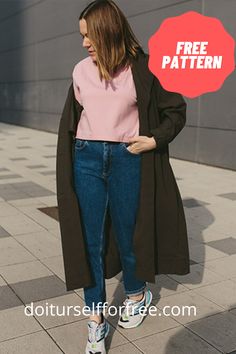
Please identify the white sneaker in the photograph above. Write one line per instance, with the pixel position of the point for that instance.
(135, 311)
(97, 332)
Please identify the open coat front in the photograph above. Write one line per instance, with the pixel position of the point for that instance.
(160, 237)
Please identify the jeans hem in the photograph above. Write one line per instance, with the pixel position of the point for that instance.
(136, 292)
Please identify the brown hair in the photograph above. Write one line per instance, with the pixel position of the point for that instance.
(111, 36)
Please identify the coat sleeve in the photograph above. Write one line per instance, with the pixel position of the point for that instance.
(172, 111)
(66, 133)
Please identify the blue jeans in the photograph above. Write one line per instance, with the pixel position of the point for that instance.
(107, 175)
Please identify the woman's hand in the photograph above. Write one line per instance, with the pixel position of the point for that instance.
(141, 143)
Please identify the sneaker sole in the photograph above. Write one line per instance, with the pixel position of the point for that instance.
(142, 318)
(106, 334)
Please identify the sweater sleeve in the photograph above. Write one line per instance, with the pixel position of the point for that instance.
(172, 110)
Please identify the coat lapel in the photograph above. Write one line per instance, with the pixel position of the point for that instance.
(143, 80)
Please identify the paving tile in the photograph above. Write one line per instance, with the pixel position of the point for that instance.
(218, 330)
(36, 215)
(200, 306)
(55, 232)
(154, 322)
(8, 298)
(20, 224)
(165, 286)
(219, 226)
(58, 310)
(8, 192)
(41, 244)
(174, 341)
(223, 293)
(199, 276)
(223, 266)
(72, 337)
(192, 203)
(7, 177)
(124, 349)
(5, 132)
(50, 211)
(24, 147)
(203, 252)
(231, 196)
(37, 343)
(8, 133)
(39, 289)
(33, 189)
(23, 190)
(200, 216)
(24, 271)
(18, 158)
(7, 209)
(2, 281)
(192, 241)
(233, 279)
(48, 173)
(14, 323)
(3, 232)
(226, 245)
(202, 234)
(26, 201)
(13, 252)
(48, 201)
(36, 166)
(233, 311)
(56, 265)
(191, 262)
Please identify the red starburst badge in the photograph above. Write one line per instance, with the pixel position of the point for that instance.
(191, 54)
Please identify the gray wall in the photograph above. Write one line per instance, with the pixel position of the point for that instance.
(40, 44)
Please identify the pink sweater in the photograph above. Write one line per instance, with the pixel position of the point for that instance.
(110, 109)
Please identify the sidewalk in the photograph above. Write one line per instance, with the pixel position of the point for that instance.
(31, 264)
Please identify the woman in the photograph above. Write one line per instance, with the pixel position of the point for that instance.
(108, 167)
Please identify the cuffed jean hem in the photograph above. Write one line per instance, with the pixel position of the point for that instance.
(136, 292)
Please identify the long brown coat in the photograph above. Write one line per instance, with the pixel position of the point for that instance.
(160, 237)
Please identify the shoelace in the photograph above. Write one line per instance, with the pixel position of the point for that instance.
(128, 308)
(94, 335)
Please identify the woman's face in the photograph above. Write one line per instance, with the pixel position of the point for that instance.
(86, 42)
